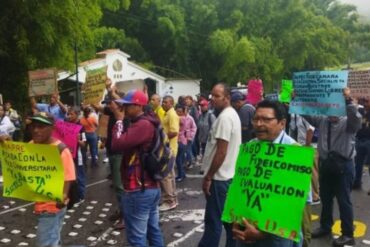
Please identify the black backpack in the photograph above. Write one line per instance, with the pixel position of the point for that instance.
(158, 160)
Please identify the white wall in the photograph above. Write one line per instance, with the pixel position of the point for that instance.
(182, 87)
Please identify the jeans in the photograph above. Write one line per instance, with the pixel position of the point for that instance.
(92, 140)
(362, 157)
(180, 158)
(141, 215)
(340, 187)
(269, 241)
(81, 181)
(213, 224)
(49, 227)
(189, 152)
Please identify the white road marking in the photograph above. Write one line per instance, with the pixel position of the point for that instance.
(187, 235)
(29, 204)
(194, 176)
(183, 215)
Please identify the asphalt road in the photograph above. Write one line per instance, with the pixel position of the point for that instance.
(88, 224)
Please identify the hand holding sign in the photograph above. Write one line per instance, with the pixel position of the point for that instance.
(248, 233)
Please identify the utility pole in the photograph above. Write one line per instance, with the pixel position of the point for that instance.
(78, 100)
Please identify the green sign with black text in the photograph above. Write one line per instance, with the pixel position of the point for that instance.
(270, 187)
(32, 172)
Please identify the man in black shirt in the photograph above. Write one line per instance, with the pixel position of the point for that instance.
(363, 144)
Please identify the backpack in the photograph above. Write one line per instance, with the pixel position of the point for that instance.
(158, 160)
(73, 189)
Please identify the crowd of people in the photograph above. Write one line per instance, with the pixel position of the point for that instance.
(205, 132)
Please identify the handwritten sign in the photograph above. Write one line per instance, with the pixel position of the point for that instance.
(319, 93)
(359, 83)
(93, 89)
(270, 187)
(286, 91)
(68, 134)
(255, 91)
(32, 172)
(42, 82)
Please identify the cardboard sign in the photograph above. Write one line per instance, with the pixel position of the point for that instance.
(359, 83)
(270, 187)
(32, 172)
(94, 87)
(42, 82)
(319, 93)
(286, 91)
(103, 126)
(67, 133)
(255, 91)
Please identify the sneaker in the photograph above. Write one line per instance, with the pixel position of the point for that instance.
(105, 160)
(344, 241)
(166, 206)
(316, 202)
(180, 179)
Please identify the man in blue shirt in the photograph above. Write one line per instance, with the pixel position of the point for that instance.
(55, 108)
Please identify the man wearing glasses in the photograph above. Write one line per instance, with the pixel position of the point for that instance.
(269, 124)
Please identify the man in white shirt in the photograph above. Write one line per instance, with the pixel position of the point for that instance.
(220, 156)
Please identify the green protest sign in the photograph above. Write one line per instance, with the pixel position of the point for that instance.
(32, 172)
(270, 187)
(286, 91)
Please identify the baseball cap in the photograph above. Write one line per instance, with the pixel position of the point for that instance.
(43, 117)
(236, 96)
(203, 103)
(135, 96)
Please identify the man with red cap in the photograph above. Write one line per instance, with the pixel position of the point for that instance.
(141, 195)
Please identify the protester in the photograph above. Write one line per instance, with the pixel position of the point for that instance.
(195, 146)
(50, 215)
(171, 125)
(363, 144)
(155, 102)
(115, 158)
(206, 120)
(56, 108)
(186, 136)
(269, 123)
(72, 117)
(90, 124)
(15, 118)
(336, 149)
(302, 132)
(219, 166)
(139, 201)
(6, 125)
(245, 112)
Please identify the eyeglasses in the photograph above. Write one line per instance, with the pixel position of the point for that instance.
(264, 120)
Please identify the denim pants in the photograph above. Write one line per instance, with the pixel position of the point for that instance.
(213, 224)
(141, 215)
(92, 140)
(189, 152)
(270, 241)
(339, 186)
(49, 227)
(81, 181)
(180, 159)
(362, 157)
